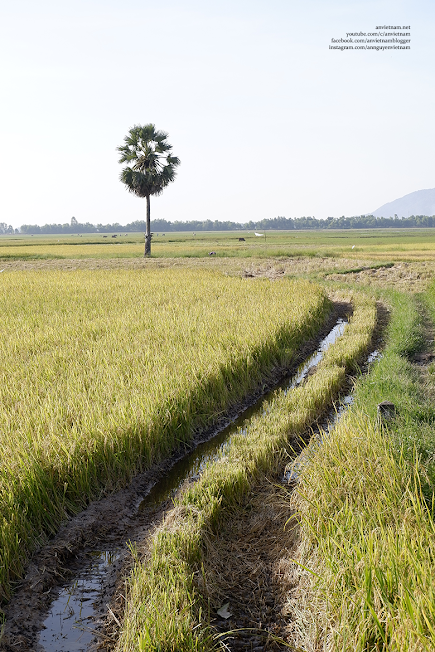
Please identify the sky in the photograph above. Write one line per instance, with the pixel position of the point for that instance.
(266, 119)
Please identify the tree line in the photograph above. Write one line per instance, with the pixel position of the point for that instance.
(7, 229)
(275, 223)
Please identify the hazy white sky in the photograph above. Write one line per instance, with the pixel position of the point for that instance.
(265, 118)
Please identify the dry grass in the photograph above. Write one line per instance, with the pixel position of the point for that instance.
(246, 564)
(411, 277)
(406, 276)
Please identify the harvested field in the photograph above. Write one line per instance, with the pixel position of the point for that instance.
(407, 276)
(297, 265)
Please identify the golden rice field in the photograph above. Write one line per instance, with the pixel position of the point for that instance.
(109, 363)
(163, 602)
(103, 372)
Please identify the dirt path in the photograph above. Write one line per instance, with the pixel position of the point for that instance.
(247, 567)
(412, 276)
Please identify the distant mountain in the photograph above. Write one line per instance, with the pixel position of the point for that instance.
(420, 202)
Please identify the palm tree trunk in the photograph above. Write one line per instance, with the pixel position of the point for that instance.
(148, 230)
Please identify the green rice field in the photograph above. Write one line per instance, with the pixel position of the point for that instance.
(385, 244)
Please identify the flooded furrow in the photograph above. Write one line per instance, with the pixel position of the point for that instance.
(292, 470)
(247, 562)
(190, 467)
(72, 621)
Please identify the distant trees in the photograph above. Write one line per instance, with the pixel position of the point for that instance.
(59, 229)
(275, 223)
(6, 229)
(151, 166)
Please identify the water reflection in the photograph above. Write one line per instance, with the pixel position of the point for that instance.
(68, 627)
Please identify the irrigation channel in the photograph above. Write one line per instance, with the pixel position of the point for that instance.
(70, 616)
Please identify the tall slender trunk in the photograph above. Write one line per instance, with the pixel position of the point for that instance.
(148, 230)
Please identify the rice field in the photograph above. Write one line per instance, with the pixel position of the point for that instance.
(104, 372)
(369, 244)
(366, 557)
(163, 609)
(109, 363)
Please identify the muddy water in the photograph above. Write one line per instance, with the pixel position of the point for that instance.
(71, 623)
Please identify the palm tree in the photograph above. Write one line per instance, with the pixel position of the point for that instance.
(150, 166)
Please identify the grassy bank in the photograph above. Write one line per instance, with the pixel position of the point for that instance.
(366, 509)
(165, 608)
(104, 372)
